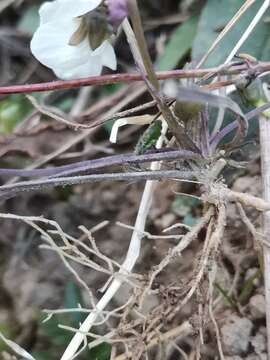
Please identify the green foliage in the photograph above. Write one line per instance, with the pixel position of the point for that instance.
(248, 287)
(149, 137)
(42, 355)
(214, 17)
(179, 44)
(228, 299)
(57, 336)
(13, 109)
(101, 352)
(252, 94)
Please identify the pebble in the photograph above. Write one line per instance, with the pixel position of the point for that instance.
(235, 335)
(257, 306)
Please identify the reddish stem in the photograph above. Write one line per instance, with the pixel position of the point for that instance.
(125, 77)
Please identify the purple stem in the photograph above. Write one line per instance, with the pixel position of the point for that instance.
(205, 138)
(234, 125)
(104, 162)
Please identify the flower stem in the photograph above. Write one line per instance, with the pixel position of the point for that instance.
(139, 34)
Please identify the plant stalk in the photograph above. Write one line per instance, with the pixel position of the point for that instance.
(135, 16)
(264, 124)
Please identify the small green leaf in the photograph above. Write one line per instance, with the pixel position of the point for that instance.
(248, 287)
(149, 137)
(228, 299)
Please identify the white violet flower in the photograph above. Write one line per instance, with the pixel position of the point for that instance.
(73, 38)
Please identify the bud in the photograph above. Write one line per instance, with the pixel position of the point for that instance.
(118, 11)
(250, 91)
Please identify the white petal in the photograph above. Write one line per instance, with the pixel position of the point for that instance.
(91, 68)
(50, 43)
(81, 7)
(106, 51)
(59, 10)
(50, 46)
(108, 56)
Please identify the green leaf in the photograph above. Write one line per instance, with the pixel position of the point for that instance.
(179, 44)
(56, 335)
(149, 137)
(101, 352)
(13, 109)
(214, 17)
(42, 355)
(248, 287)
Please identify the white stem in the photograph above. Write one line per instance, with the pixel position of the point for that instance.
(265, 161)
(248, 31)
(130, 261)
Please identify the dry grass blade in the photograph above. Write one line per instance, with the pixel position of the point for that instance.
(249, 30)
(49, 112)
(16, 348)
(227, 28)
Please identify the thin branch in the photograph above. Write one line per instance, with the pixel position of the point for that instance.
(181, 331)
(126, 78)
(101, 163)
(7, 191)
